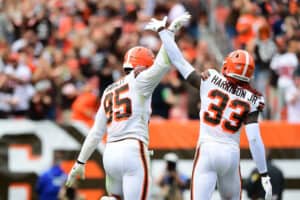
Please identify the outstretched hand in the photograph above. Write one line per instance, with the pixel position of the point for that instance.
(179, 22)
(156, 25)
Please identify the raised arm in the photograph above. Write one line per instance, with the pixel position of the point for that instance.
(147, 80)
(173, 52)
(177, 59)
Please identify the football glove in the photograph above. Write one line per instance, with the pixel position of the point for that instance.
(266, 183)
(179, 21)
(78, 169)
(175, 26)
(156, 25)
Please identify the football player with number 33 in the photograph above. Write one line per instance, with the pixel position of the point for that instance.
(124, 114)
(227, 102)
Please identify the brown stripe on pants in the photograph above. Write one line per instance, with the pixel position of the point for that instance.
(144, 162)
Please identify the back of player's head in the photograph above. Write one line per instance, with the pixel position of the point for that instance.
(239, 65)
(138, 57)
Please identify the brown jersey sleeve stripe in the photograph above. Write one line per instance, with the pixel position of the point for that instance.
(144, 163)
(197, 155)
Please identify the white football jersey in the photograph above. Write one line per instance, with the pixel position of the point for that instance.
(224, 109)
(126, 104)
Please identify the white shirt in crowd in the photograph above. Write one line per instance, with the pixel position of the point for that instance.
(284, 65)
(293, 106)
(22, 92)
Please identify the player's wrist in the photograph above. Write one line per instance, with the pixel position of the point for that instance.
(79, 162)
(161, 29)
(265, 174)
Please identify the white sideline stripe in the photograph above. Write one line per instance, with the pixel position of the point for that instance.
(290, 168)
(247, 62)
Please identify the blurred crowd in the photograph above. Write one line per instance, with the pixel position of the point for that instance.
(270, 31)
(57, 57)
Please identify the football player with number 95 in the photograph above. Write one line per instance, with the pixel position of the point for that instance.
(227, 103)
(124, 114)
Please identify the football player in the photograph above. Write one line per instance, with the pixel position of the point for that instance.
(227, 102)
(124, 114)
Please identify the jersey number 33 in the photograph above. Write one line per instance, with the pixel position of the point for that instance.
(214, 117)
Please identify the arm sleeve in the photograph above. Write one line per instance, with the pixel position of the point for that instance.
(174, 54)
(257, 148)
(94, 136)
(147, 80)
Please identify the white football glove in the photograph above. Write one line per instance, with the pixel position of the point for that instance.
(77, 170)
(179, 21)
(266, 183)
(156, 25)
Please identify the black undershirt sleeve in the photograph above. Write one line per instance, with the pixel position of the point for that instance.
(194, 79)
(252, 117)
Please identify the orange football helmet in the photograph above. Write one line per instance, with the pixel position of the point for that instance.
(239, 65)
(138, 57)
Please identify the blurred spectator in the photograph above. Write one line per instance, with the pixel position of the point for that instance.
(19, 77)
(163, 99)
(172, 182)
(284, 63)
(264, 48)
(50, 182)
(292, 97)
(231, 21)
(41, 101)
(5, 96)
(6, 28)
(69, 94)
(86, 104)
(245, 24)
(254, 187)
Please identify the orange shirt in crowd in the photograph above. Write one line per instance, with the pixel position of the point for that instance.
(84, 108)
(244, 28)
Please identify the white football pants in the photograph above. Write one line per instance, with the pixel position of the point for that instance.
(126, 163)
(216, 163)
